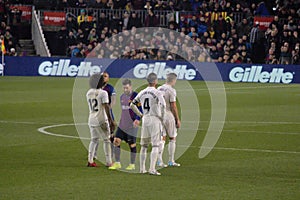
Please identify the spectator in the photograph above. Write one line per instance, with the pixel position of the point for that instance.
(61, 37)
(160, 5)
(196, 5)
(134, 21)
(148, 5)
(193, 34)
(82, 17)
(92, 36)
(243, 28)
(214, 54)
(183, 22)
(15, 16)
(102, 22)
(12, 52)
(119, 4)
(71, 24)
(116, 23)
(295, 38)
(285, 55)
(76, 51)
(254, 41)
(62, 4)
(193, 22)
(71, 39)
(99, 4)
(110, 4)
(80, 36)
(138, 4)
(81, 4)
(128, 6)
(296, 56)
(184, 5)
(220, 26)
(262, 9)
(171, 6)
(151, 20)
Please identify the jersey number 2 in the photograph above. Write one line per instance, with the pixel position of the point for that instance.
(93, 105)
(146, 104)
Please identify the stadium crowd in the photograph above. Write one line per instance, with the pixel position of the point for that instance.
(10, 18)
(211, 23)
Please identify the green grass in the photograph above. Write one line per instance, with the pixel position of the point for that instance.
(256, 157)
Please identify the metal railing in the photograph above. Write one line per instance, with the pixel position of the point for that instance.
(38, 35)
(163, 16)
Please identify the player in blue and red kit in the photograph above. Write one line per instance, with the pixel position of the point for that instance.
(128, 127)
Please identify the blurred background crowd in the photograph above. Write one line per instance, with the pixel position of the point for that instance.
(211, 23)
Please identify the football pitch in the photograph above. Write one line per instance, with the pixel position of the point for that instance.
(256, 157)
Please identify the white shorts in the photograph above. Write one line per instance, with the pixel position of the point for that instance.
(102, 131)
(151, 131)
(170, 125)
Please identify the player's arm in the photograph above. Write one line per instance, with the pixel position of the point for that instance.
(113, 97)
(134, 107)
(108, 114)
(162, 103)
(174, 111)
(113, 100)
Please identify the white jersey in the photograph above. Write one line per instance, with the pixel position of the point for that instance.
(152, 102)
(169, 94)
(95, 99)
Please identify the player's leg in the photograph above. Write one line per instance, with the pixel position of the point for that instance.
(96, 151)
(172, 145)
(161, 148)
(131, 140)
(92, 146)
(145, 140)
(112, 138)
(132, 147)
(117, 149)
(155, 141)
(105, 134)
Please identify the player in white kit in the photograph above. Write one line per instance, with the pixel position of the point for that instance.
(100, 121)
(153, 106)
(172, 121)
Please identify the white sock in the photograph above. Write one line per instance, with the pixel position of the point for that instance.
(172, 147)
(107, 151)
(143, 156)
(161, 151)
(153, 158)
(96, 150)
(92, 146)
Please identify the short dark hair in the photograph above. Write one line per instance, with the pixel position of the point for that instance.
(96, 81)
(171, 76)
(126, 82)
(151, 78)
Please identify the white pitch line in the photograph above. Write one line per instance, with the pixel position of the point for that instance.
(188, 122)
(242, 122)
(240, 88)
(42, 130)
(15, 122)
(240, 131)
(251, 150)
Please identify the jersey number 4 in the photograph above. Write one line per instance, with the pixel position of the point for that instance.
(146, 105)
(93, 105)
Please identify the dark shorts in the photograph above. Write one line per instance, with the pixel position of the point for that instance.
(129, 136)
